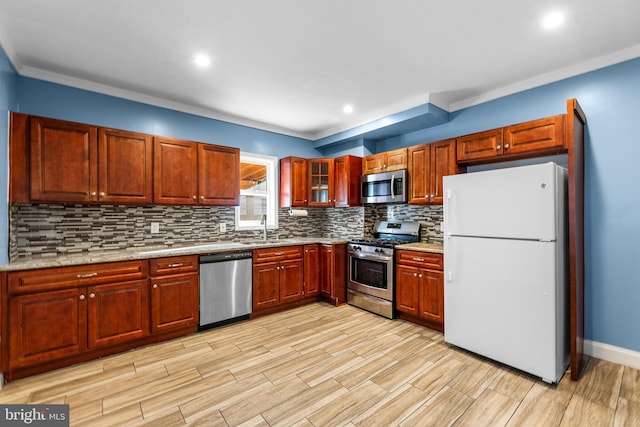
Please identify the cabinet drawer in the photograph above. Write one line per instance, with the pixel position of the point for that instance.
(69, 277)
(173, 265)
(277, 254)
(420, 259)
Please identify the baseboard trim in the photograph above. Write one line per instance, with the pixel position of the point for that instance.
(612, 353)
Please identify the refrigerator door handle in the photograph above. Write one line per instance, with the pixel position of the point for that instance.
(448, 219)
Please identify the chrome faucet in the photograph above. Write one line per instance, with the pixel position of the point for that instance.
(263, 221)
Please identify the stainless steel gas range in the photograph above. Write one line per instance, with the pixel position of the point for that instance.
(370, 281)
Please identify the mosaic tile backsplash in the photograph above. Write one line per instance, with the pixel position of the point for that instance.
(40, 230)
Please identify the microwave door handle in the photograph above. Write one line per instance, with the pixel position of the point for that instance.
(393, 193)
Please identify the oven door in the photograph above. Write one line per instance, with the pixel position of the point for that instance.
(371, 274)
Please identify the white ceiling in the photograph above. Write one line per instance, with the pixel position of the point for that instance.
(291, 65)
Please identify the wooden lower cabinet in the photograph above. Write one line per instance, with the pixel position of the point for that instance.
(420, 288)
(333, 273)
(47, 326)
(311, 269)
(174, 293)
(60, 316)
(117, 312)
(278, 278)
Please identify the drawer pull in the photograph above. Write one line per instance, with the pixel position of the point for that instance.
(279, 253)
(177, 264)
(418, 259)
(86, 275)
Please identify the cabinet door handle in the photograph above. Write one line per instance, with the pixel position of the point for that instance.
(102, 194)
(506, 146)
(420, 275)
(93, 193)
(415, 274)
(81, 297)
(86, 275)
(498, 147)
(92, 295)
(155, 286)
(194, 197)
(177, 264)
(201, 197)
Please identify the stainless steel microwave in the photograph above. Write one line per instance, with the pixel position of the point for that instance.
(384, 187)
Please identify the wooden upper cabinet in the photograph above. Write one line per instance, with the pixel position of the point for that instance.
(69, 162)
(293, 182)
(443, 163)
(385, 162)
(64, 160)
(536, 135)
(534, 138)
(419, 167)
(125, 171)
(427, 164)
(218, 175)
(479, 146)
(347, 173)
(320, 181)
(175, 171)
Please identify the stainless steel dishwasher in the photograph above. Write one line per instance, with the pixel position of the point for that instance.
(225, 288)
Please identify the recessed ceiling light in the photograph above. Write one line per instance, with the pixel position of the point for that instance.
(348, 109)
(202, 60)
(553, 20)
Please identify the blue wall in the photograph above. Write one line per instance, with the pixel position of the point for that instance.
(609, 96)
(8, 84)
(46, 99)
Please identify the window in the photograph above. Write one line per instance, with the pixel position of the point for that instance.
(258, 194)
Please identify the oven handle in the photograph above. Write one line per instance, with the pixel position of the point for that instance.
(370, 256)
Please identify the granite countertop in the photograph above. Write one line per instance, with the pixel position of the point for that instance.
(147, 252)
(422, 247)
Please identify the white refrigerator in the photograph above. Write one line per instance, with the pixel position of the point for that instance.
(505, 264)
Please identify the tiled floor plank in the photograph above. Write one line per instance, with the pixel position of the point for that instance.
(320, 365)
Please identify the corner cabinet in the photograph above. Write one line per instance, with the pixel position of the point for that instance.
(192, 173)
(311, 269)
(333, 273)
(420, 288)
(427, 164)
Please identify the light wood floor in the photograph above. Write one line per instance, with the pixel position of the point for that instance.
(325, 366)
